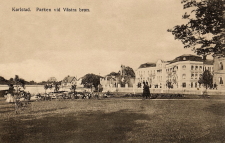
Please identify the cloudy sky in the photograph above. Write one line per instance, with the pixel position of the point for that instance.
(38, 45)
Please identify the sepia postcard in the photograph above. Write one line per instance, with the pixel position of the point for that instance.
(83, 71)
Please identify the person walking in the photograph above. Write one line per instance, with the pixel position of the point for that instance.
(146, 91)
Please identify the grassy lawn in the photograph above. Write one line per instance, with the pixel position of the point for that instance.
(114, 120)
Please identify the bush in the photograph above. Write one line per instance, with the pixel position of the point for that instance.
(157, 95)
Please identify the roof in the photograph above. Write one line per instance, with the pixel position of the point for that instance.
(208, 62)
(187, 57)
(146, 65)
(69, 79)
(165, 61)
(184, 57)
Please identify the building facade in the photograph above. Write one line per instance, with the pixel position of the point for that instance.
(69, 80)
(181, 73)
(219, 71)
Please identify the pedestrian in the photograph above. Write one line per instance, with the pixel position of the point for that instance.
(146, 91)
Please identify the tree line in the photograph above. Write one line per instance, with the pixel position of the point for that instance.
(4, 81)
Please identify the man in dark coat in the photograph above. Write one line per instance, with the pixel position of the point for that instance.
(146, 91)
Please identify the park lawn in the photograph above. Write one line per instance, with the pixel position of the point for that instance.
(114, 120)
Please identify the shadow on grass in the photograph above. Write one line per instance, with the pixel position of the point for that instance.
(216, 135)
(80, 127)
(7, 109)
(217, 109)
(46, 110)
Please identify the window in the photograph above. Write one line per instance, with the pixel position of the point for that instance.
(192, 67)
(184, 58)
(221, 66)
(183, 67)
(196, 67)
(220, 80)
(196, 76)
(184, 84)
(192, 75)
(200, 67)
(191, 84)
(196, 84)
(184, 76)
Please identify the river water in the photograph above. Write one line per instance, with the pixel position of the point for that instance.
(34, 89)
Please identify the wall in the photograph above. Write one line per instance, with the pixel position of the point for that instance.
(172, 91)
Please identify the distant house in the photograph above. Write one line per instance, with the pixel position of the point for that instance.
(109, 81)
(69, 80)
(79, 82)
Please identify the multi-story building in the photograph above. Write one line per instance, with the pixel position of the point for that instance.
(182, 72)
(219, 71)
(153, 73)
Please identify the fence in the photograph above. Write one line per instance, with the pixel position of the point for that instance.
(171, 91)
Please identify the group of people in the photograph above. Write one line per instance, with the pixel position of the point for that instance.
(146, 91)
(22, 94)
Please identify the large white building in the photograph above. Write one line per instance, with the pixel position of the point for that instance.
(182, 72)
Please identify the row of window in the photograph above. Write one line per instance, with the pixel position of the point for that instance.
(183, 67)
(159, 78)
(192, 68)
(193, 76)
(140, 72)
(193, 85)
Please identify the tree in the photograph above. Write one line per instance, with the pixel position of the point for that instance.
(56, 86)
(205, 30)
(73, 88)
(169, 84)
(206, 79)
(19, 82)
(128, 71)
(113, 74)
(11, 80)
(126, 75)
(91, 79)
(3, 80)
